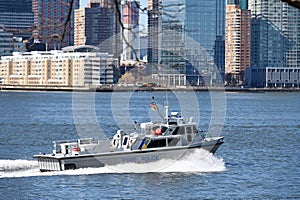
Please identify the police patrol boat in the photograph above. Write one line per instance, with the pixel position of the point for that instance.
(173, 138)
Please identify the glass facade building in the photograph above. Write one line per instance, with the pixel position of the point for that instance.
(275, 34)
(6, 46)
(172, 41)
(16, 17)
(153, 32)
(275, 42)
(94, 26)
(116, 8)
(205, 24)
(244, 4)
(15, 6)
(190, 38)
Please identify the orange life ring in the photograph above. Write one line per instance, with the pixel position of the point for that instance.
(76, 149)
(158, 131)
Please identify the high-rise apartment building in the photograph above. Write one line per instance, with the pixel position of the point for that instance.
(16, 17)
(275, 43)
(79, 27)
(179, 33)
(153, 32)
(5, 43)
(94, 26)
(106, 3)
(171, 69)
(116, 8)
(130, 34)
(55, 22)
(143, 47)
(238, 41)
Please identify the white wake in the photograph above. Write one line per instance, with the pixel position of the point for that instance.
(17, 165)
(200, 161)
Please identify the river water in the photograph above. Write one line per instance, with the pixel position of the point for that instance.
(259, 159)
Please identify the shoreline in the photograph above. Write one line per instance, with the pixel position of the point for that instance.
(142, 89)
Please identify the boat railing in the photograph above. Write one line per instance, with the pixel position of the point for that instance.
(202, 133)
(166, 137)
(57, 145)
(80, 141)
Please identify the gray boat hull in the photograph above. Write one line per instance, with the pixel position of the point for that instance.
(59, 162)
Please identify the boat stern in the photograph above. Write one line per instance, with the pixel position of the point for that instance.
(47, 163)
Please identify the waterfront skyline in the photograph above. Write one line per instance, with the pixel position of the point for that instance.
(274, 53)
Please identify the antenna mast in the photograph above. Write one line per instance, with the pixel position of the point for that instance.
(166, 109)
(157, 108)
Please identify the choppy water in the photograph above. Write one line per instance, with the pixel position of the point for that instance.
(259, 159)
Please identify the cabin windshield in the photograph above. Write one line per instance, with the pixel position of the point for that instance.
(157, 143)
(185, 130)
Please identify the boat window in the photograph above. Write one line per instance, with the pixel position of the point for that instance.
(125, 141)
(189, 137)
(173, 141)
(181, 131)
(188, 130)
(175, 131)
(172, 123)
(157, 143)
(163, 129)
(86, 141)
(195, 130)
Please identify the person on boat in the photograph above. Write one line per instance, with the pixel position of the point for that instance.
(157, 130)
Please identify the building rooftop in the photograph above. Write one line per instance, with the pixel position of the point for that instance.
(81, 48)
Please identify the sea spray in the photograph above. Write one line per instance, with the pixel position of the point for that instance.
(198, 161)
(17, 165)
